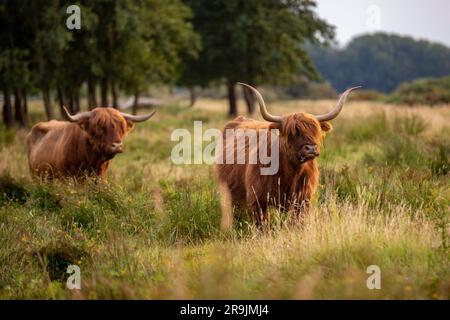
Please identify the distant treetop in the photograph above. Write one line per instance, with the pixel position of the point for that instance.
(380, 61)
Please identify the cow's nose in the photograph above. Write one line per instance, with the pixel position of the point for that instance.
(117, 146)
(310, 149)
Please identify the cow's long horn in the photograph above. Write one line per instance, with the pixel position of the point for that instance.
(138, 118)
(76, 117)
(337, 108)
(262, 106)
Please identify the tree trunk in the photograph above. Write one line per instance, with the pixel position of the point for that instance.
(114, 95)
(7, 110)
(19, 115)
(25, 103)
(47, 103)
(92, 98)
(71, 103)
(249, 100)
(193, 96)
(60, 94)
(135, 103)
(76, 100)
(232, 100)
(104, 92)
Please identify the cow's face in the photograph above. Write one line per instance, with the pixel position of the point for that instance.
(301, 136)
(106, 128)
(300, 133)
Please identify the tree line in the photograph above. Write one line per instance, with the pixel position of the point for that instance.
(121, 45)
(125, 46)
(380, 61)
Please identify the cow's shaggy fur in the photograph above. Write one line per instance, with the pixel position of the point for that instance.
(59, 148)
(293, 186)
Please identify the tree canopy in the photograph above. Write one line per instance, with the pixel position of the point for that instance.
(380, 61)
(125, 46)
(121, 45)
(254, 41)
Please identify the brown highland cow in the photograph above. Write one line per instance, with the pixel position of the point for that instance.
(294, 183)
(83, 146)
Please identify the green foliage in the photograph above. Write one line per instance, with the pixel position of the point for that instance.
(57, 255)
(253, 41)
(440, 163)
(380, 61)
(45, 198)
(304, 88)
(12, 190)
(6, 136)
(121, 45)
(367, 95)
(423, 92)
(192, 212)
(153, 36)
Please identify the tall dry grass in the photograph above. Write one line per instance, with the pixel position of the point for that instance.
(152, 230)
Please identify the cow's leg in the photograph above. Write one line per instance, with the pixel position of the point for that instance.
(226, 206)
(102, 171)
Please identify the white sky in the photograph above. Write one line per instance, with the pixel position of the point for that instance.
(421, 19)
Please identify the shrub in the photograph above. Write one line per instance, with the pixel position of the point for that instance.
(367, 95)
(430, 91)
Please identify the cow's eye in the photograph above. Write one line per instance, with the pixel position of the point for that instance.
(298, 132)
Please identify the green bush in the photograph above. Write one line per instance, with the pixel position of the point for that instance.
(367, 95)
(429, 91)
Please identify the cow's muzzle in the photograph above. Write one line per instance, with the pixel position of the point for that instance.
(308, 152)
(116, 147)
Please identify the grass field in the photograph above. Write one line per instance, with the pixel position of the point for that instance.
(152, 230)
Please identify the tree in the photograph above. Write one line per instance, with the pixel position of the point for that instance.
(14, 61)
(255, 41)
(157, 34)
(380, 61)
(122, 45)
(50, 39)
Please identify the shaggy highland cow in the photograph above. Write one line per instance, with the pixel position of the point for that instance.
(295, 182)
(82, 146)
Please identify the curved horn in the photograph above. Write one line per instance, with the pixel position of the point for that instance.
(137, 118)
(337, 108)
(262, 106)
(76, 117)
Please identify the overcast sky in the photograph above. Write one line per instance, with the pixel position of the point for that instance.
(421, 19)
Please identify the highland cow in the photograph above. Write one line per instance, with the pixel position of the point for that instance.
(81, 147)
(294, 184)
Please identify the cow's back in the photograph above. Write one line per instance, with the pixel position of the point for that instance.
(47, 145)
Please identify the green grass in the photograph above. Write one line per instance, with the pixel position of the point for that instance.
(152, 230)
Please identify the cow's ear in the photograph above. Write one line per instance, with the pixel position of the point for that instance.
(130, 125)
(83, 124)
(326, 126)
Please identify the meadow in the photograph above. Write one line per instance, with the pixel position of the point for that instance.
(152, 229)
